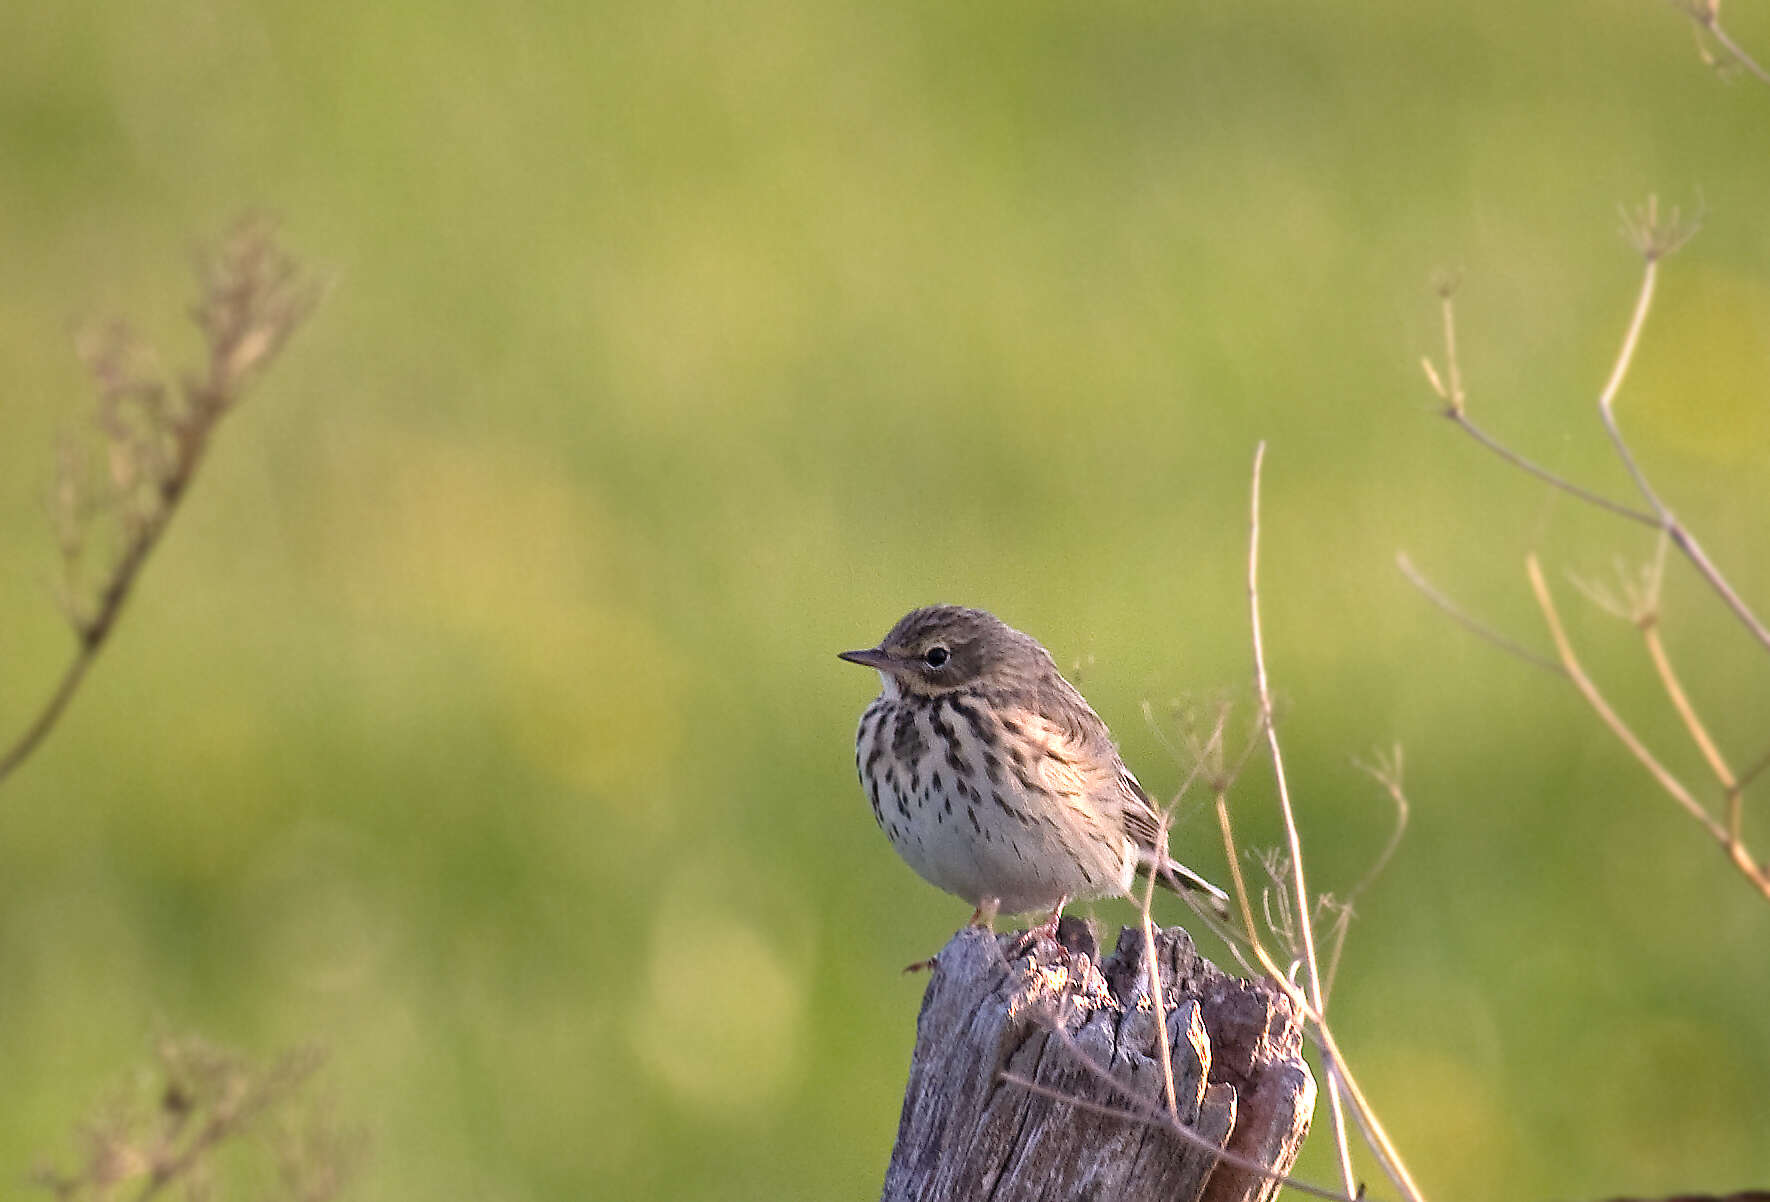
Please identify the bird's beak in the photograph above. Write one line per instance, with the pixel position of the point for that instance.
(872, 657)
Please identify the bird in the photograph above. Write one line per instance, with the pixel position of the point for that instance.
(995, 780)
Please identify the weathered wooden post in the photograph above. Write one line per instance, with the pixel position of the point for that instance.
(967, 1134)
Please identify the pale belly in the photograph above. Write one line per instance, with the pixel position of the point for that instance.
(981, 838)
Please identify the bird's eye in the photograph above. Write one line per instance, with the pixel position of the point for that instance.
(936, 656)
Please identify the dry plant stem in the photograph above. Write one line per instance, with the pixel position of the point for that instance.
(1665, 519)
(1278, 975)
(1473, 625)
(1738, 53)
(1155, 979)
(51, 712)
(215, 1131)
(93, 631)
(1734, 850)
(1247, 912)
(1457, 410)
(1544, 474)
(207, 1099)
(1290, 824)
(1698, 732)
(1625, 356)
(1655, 242)
(1752, 773)
(1374, 1134)
(1342, 925)
(1546, 601)
(1338, 1074)
(1389, 776)
(252, 300)
(1707, 15)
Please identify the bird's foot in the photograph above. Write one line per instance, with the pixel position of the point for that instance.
(1045, 930)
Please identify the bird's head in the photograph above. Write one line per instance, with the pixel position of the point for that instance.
(943, 648)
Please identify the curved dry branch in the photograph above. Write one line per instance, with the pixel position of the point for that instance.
(1707, 15)
(1757, 874)
(1654, 235)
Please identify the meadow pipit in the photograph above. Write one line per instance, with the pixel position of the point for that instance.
(995, 780)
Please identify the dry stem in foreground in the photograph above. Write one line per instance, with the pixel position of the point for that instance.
(960, 1135)
(251, 298)
(168, 1130)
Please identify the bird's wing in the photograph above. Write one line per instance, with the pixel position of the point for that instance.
(1077, 735)
(1142, 823)
(1081, 760)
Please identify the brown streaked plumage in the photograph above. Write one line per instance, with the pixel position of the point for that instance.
(994, 779)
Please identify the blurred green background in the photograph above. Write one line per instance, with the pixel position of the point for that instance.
(479, 717)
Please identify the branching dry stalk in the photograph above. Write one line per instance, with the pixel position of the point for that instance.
(1306, 927)
(1707, 15)
(251, 298)
(202, 1098)
(1387, 772)
(1456, 410)
(1653, 236)
(1339, 1075)
(1473, 625)
(1146, 908)
(1636, 598)
(1737, 855)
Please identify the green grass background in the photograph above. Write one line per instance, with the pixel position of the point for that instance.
(479, 717)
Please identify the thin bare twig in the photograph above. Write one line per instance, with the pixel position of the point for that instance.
(1337, 946)
(1707, 15)
(1545, 475)
(1736, 853)
(1199, 752)
(1751, 774)
(1638, 604)
(1674, 688)
(1625, 356)
(1375, 1136)
(1338, 1074)
(1654, 239)
(1653, 236)
(1737, 52)
(1290, 823)
(1155, 974)
(1470, 623)
(1386, 771)
(1456, 409)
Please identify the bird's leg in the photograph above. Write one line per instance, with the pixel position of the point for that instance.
(1045, 930)
(983, 916)
(1048, 928)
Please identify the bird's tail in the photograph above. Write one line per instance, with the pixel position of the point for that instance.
(1176, 876)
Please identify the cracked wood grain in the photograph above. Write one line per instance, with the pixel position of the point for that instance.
(965, 1133)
